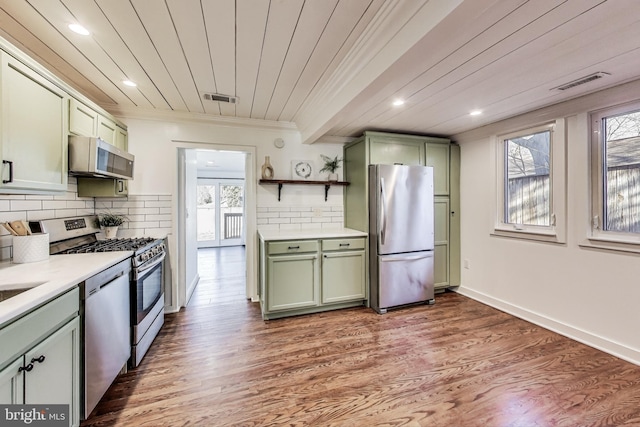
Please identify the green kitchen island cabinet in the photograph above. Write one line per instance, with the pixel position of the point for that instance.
(40, 356)
(308, 272)
(391, 148)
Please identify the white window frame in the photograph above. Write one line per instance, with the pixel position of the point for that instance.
(556, 231)
(597, 237)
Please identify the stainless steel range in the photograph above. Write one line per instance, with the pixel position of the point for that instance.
(78, 235)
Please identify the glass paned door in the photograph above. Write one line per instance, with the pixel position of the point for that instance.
(220, 212)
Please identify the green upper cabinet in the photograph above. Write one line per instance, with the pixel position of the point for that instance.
(437, 156)
(107, 129)
(395, 149)
(33, 138)
(122, 138)
(83, 120)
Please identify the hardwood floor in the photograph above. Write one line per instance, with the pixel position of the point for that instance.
(456, 363)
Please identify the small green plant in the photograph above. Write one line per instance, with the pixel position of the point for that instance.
(330, 165)
(111, 220)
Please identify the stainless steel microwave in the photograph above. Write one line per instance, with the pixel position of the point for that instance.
(90, 156)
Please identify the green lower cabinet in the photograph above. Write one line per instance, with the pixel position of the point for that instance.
(293, 282)
(40, 356)
(440, 267)
(54, 378)
(343, 276)
(11, 383)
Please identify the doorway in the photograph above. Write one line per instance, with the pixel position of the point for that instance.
(211, 161)
(220, 212)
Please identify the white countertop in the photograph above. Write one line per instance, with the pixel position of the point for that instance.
(270, 235)
(57, 274)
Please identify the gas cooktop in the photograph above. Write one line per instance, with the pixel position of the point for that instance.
(132, 244)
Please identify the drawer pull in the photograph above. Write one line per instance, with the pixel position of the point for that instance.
(39, 359)
(345, 244)
(27, 368)
(294, 247)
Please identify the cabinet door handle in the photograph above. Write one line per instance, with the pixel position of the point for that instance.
(27, 368)
(10, 163)
(39, 359)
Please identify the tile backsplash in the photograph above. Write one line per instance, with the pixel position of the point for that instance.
(300, 217)
(148, 215)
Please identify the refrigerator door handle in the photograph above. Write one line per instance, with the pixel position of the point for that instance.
(390, 258)
(383, 212)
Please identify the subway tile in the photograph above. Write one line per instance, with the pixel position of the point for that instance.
(5, 205)
(279, 209)
(128, 204)
(144, 224)
(321, 219)
(144, 211)
(25, 205)
(290, 227)
(261, 221)
(155, 204)
(38, 197)
(268, 215)
(13, 197)
(165, 197)
(166, 210)
(279, 221)
(289, 214)
(158, 217)
(145, 197)
(301, 220)
(13, 216)
(262, 209)
(56, 204)
(63, 213)
(65, 196)
(38, 215)
(166, 224)
(300, 209)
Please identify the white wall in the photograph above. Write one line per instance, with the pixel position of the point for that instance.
(155, 143)
(590, 295)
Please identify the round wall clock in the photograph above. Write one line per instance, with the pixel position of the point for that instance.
(302, 169)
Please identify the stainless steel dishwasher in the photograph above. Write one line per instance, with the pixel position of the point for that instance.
(107, 331)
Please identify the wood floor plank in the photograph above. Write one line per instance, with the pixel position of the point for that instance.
(456, 363)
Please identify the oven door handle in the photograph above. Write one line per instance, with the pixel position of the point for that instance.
(146, 267)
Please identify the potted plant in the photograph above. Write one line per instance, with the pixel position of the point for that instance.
(110, 222)
(331, 165)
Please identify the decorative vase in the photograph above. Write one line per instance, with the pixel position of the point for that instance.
(333, 177)
(111, 232)
(267, 169)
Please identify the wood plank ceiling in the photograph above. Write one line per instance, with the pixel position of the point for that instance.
(331, 67)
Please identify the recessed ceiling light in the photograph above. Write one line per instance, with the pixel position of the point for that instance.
(77, 28)
(129, 83)
(398, 102)
(475, 112)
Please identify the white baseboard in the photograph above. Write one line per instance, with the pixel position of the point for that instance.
(584, 337)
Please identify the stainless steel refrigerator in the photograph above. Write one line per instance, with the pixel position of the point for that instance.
(401, 235)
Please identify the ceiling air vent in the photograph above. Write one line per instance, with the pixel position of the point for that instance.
(581, 81)
(220, 98)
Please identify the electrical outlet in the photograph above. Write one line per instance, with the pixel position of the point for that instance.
(317, 212)
(467, 264)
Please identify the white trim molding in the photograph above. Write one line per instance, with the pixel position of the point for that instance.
(610, 347)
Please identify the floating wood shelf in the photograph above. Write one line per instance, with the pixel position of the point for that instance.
(281, 182)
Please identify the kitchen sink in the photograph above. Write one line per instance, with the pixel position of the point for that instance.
(12, 289)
